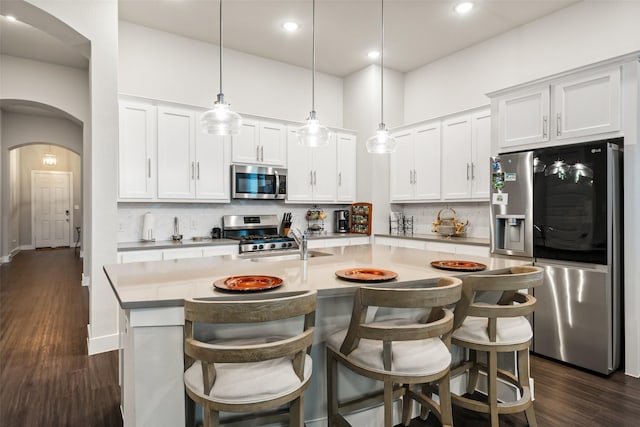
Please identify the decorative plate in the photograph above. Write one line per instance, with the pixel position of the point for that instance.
(248, 283)
(366, 274)
(458, 265)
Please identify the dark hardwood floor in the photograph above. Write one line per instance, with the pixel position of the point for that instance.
(46, 378)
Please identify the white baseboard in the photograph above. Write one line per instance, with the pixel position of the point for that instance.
(85, 279)
(5, 259)
(27, 248)
(101, 344)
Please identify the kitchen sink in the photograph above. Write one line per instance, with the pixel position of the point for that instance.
(287, 256)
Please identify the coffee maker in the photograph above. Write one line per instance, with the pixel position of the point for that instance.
(342, 220)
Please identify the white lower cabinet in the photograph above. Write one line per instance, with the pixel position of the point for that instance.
(446, 247)
(139, 256)
(220, 250)
(177, 253)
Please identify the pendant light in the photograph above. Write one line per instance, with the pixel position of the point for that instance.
(221, 120)
(381, 142)
(313, 134)
(49, 159)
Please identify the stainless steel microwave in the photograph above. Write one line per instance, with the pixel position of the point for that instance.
(258, 182)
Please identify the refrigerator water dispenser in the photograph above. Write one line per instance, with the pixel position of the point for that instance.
(510, 233)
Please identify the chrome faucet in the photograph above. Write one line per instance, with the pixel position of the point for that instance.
(301, 241)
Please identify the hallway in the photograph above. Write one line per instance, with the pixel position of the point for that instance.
(47, 378)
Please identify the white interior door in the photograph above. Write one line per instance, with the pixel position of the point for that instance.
(51, 207)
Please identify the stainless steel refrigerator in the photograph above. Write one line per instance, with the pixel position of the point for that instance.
(561, 207)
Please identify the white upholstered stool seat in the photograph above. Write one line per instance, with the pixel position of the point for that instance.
(409, 354)
(408, 357)
(244, 383)
(496, 328)
(258, 374)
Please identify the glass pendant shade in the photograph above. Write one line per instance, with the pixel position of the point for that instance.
(313, 134)
(381, 142)
(221, 120)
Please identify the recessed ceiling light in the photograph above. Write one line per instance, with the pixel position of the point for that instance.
(11, 18)
(373, 54)
(290, 26)
(463, 7)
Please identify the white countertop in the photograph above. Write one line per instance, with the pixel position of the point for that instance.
(479, 241)
(167, 283)
(190, 243)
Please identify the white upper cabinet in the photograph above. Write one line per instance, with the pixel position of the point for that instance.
(570, 107)
(311, 175)
(212, 160)
(588, 105)
(466, 144)
(260, 142)
(456, 158)
(524, 117)
(346, 167)
(192, 165)
(136, 151)
(415, 165)
(480, 154)
(176, 153)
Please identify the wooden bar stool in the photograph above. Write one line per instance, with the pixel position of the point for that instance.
(249, 374)
(496, 328)
(400, 351)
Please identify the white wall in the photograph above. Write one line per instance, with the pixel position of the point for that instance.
(97, 21)
(159, 65)
(362, 112)
(582, 34)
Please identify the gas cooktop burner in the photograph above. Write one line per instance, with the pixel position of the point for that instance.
(256, 233)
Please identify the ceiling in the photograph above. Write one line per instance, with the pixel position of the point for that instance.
(416, 31)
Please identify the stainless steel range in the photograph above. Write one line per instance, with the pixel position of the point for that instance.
(256, 233)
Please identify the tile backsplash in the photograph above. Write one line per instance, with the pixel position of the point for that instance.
(477, 213)
(197, 219)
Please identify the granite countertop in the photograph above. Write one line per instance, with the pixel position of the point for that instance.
(439, 238)
(168, 283)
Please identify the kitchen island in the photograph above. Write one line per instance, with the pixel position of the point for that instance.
(151, 296)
